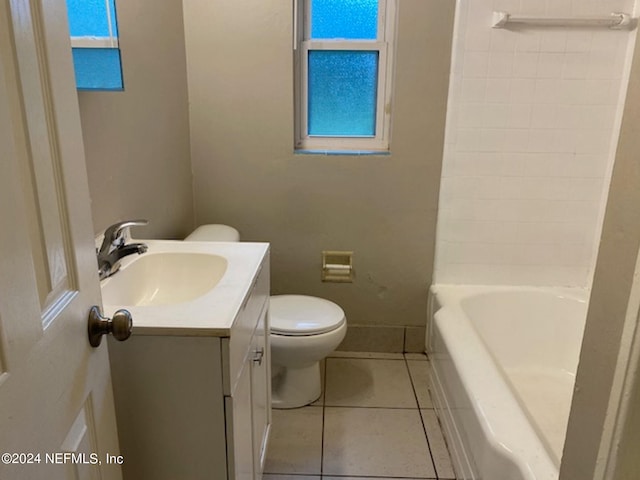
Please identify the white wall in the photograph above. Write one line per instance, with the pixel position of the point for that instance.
(532, 118)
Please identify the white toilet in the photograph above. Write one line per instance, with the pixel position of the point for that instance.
(304, 330)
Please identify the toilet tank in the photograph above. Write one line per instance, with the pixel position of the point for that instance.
(214, 233)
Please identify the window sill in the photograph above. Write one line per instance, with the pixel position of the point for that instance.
(350, 153)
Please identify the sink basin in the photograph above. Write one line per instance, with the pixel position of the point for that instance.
(165, 278)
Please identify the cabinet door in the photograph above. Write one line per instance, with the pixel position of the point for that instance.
(240, 427)
(261, 389)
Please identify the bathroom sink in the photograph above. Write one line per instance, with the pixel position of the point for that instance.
(165, 278)
(184, 288)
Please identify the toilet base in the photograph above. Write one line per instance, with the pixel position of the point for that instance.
(295, 387)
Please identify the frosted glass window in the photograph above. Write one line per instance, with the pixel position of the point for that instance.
(94, 44)
(344, 63)
(342, 92)
(89, 18)
(97, 68)
(349, 19)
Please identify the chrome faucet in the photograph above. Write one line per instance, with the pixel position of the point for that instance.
(114, 249)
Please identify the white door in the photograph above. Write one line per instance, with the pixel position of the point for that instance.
(55, 390)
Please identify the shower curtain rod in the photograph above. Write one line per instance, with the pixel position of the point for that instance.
(615, 21)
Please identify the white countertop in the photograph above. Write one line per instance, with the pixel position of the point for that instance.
(211, 314)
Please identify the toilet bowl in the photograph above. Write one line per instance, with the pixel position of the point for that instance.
(304, 330)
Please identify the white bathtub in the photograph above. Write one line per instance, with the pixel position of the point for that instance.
(503, 370)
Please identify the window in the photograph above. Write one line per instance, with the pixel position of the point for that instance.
(94, 43)
(343, 74)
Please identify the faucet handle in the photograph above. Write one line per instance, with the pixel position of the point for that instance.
(113, 234)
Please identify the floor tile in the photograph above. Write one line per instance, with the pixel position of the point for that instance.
(295, 443)
(375, 442)
(420, 372)
(357, 382)
(416, 356)
(438, 446)
(383, 355)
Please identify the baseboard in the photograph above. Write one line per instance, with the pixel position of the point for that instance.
(383, 338)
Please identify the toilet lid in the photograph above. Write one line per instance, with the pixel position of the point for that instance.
(214, 233)
(303, 315)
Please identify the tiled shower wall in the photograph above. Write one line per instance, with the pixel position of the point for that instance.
(533, 119)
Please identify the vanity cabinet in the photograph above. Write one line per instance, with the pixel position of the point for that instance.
(197, 406)
(248, 402)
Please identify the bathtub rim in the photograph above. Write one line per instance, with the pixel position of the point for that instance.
(454, 293)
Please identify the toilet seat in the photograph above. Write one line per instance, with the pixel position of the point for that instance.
(302, 315)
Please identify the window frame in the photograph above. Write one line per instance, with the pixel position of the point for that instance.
(384, 45)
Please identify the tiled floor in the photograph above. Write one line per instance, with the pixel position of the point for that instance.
(374, 420)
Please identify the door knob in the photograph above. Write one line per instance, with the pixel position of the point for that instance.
(119, 326)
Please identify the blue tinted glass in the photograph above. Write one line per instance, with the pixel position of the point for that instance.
(353, 19)
(342, 92)
(97, 68)
(88, 18)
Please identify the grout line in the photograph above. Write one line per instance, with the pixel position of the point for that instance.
(352, 476)
(324, 402)
(400, 356)
(422, 360)
(404, 340)
(424, 425)
(371, 358)
(383, 478)
(376, 407)
(291, 474)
